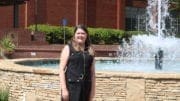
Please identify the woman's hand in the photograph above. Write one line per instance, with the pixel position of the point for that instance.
(91, 99)
(65, 95)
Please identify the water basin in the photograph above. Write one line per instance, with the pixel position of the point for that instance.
(111, 65)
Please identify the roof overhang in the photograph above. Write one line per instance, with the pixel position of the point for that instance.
(11, 2)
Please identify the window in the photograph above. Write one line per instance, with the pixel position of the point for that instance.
(135, 18)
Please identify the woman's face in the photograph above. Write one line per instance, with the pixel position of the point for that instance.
(80, 36)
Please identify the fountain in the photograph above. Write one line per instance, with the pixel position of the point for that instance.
(157, 51)
(159, 45)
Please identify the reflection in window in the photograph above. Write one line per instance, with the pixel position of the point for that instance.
(135, 18)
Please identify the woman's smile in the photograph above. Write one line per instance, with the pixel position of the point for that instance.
(80, 36)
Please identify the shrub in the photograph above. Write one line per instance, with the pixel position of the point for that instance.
(128, 34)
(7, 45)
(178, 35)
(105, 36)
(55, 34)
(4, 94)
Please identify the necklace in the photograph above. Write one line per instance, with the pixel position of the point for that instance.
(84, 71)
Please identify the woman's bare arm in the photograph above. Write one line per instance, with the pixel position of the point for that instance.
(92, 94)
(63, 62)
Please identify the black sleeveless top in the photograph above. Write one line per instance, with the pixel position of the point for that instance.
(78, 65)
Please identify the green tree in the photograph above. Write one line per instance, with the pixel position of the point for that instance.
(175, 5)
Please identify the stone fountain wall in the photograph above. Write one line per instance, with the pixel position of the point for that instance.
(34, 84)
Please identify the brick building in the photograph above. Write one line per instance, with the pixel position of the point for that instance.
(93, 13)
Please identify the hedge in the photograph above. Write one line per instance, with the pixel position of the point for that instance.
(55, 34)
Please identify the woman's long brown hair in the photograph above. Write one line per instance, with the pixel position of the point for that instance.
(87, 41)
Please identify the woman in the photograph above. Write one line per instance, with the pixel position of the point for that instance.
(77, 70)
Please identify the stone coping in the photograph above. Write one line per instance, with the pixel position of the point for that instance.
(58, 47)
(9, 65)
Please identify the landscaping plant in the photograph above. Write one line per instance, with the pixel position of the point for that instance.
(4, 94)
(7, 45)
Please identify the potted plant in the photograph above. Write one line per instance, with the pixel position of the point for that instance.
(6, 46)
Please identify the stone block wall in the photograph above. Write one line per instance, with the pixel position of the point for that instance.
(28, 85)
(35, 84)
(162, 90)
